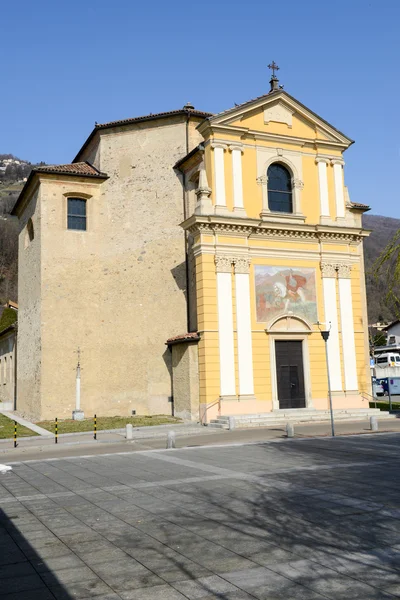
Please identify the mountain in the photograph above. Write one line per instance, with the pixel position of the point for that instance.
(382, 231)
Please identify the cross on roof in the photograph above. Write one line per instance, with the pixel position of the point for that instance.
(274, 67)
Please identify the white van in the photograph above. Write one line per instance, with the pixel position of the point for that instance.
(387, 359)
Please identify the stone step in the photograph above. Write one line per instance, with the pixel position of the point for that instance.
(298, 416)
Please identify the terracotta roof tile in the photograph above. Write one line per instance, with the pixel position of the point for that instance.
(79, 168)
(184, 337)
(194, 113)
(359, 205)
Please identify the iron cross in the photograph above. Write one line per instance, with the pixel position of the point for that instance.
(274, 67)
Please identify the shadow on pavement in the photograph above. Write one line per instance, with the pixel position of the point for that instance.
(24, 573)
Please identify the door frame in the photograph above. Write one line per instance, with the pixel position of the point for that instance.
(290, 337)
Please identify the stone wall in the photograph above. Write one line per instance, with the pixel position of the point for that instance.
(7, 367)
(117, 290)
(29, 311)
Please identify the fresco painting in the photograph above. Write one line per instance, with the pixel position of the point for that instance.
(282, 290)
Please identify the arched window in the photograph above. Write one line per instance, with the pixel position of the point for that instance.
(280, 197)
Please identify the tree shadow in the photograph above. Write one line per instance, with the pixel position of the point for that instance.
(24, 572)
(319, 531)
(294, 519)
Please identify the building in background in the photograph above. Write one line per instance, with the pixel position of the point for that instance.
(231, 237)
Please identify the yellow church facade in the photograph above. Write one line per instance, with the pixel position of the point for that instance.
(277, 248)
(191, 261)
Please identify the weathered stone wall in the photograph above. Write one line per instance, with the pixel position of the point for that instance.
(118, 290)
(29, 311)
(185, 375)
(7, 365)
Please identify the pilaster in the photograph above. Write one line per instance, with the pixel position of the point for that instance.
(223, 267)
(219, 175)
(329, 274)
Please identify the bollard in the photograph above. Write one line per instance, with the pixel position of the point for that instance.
(95, 428)
(289, 430)
(171, 439)
(15, 434)
(56, 431)
(373, 421)
(129, 431)
(231, 423)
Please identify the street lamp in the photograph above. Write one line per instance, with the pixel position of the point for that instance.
(325, 337)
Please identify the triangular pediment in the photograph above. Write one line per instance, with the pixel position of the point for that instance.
(279, 113)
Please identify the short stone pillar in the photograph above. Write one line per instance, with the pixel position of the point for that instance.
(129, 431)
(289, 430)
(78, 415)
(171, 439)
(373, 422)
(231, 423)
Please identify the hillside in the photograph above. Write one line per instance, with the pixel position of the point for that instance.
(13, 174)
(383, 229)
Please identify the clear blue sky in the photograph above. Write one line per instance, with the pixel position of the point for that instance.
(67, 65)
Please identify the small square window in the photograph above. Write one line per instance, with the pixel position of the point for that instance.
(77, 214)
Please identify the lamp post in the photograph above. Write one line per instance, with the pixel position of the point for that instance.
(325, 337)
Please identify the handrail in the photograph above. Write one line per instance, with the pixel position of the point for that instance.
(203, 417)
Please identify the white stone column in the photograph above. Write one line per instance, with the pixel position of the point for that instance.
(339, 186)
(225, 325)
(219, 177)
(323, 185)
(243, 323)
(347, 326)
(238, 205)
(331, 320)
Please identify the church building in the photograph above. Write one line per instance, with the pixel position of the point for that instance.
(194, 259)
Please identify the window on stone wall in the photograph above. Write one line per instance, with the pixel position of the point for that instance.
(5, 370)
(280, 197)
(77, 214)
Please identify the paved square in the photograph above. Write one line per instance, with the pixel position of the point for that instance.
(298, 519)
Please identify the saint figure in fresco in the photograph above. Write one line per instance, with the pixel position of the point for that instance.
(289, 292)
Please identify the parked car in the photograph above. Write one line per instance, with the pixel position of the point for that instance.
(377, 389)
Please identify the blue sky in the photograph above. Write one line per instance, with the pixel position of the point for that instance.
(67, 65)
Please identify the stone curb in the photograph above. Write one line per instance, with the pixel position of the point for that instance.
(157, 431)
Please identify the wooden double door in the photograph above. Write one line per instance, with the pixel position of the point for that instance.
(290, 373)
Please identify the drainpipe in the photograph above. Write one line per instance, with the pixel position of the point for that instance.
(184, 218)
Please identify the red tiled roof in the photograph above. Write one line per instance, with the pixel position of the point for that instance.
(194, 113)
(184, 337)
(359, 205)
(79, 168)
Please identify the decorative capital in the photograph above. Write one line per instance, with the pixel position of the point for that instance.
(242, 265)
(236, 146)
(218, 145)
(322, 159)
(262, 180)
(328, 269)
(337, 161)
(297, 183)
(223, 264)
(344, 271)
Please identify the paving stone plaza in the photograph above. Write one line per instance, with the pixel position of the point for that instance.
(295, 519)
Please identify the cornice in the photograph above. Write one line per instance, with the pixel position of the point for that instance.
(240, 227)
